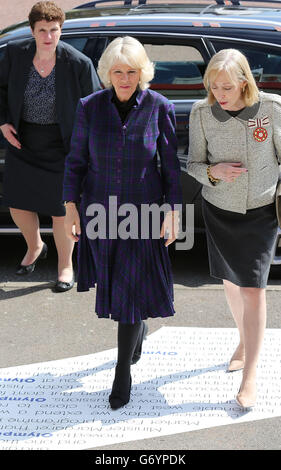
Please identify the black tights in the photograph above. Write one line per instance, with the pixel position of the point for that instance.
(127, 339)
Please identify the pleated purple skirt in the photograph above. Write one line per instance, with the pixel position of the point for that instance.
(133, 277)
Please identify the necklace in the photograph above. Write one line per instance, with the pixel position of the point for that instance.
(42, 69)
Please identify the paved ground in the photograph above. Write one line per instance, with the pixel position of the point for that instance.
(38, 325)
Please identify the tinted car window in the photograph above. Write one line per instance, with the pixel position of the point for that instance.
(91, 47)
(265, 64)
(178, 70)
(77, 42)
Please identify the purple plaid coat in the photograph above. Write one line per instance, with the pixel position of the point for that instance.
(108, 158)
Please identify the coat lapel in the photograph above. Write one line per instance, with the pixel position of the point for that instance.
(62, 78)
(24, 64)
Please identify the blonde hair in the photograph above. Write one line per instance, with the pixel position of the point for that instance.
(235, 64)
(130, 51)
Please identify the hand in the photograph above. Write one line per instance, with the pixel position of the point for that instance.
(170, 226)
(9, 133)
(227, 172)
(72, 222)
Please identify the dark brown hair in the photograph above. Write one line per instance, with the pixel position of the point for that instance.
(47, 11)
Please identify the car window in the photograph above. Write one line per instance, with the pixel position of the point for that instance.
(178, 68)
(178, 71)
(77, 42)
(265, 63)
(91, 47)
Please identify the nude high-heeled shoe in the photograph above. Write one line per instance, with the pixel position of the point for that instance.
(246, 398)
(235, 363)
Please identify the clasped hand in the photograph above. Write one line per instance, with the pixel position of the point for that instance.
(227, 172)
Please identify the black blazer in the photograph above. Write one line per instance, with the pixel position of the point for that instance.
(75, 78)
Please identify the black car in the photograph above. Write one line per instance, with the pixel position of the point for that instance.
(180, 39)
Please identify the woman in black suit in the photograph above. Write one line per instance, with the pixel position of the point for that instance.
(41, 81)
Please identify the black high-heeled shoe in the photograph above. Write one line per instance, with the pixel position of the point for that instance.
(62, 286)
(137, 353)
(120, 394)
(30, 267)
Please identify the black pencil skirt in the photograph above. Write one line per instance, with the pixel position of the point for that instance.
(33, 175)
(240, 246)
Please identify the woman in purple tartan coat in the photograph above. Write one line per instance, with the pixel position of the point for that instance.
(112, 161)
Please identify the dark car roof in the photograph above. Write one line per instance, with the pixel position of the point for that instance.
(171, 16)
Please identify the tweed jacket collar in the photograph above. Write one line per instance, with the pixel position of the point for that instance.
(247, 113)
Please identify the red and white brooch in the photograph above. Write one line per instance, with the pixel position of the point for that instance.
(260, 133)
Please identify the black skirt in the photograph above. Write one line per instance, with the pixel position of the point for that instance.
(33, 176)
(240, 246)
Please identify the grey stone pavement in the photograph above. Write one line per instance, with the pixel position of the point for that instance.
(38, 325)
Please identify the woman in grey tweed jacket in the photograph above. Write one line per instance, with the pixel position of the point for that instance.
(234, 151)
